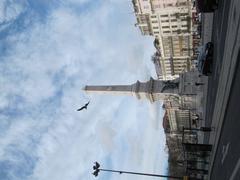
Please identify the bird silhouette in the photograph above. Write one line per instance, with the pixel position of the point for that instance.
(84, 107)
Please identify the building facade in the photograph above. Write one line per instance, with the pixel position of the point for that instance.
(170, 22)
(177, 117)
(179, 108)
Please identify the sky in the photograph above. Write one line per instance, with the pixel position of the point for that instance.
(49, 50)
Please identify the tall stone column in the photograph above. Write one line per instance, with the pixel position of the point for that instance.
(153, 90)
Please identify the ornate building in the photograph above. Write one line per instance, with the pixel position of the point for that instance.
(170, 21)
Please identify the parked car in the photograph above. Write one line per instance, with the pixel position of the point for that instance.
(205, 59)
(206, 5)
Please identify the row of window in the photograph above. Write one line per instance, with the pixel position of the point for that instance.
(169, 20)
(177, 62)
(176, 47)
(183, 27)
(175, 38)
(157, 6)
(177, 71)
(176, 52)
(178, 15)
(179, 31)
(173, 20)
(176, 32)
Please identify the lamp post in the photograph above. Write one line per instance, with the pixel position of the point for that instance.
(97, 169)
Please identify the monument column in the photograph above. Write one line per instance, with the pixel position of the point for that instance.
(153, 90)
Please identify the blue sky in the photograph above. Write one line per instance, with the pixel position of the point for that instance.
(49, 50)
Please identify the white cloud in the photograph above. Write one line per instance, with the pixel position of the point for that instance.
(46, 66)
(80, 2)
(106, 135)
(10, 11)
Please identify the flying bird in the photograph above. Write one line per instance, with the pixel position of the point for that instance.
(84, 107)
(97, 165)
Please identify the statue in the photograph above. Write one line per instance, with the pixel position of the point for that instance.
(169, 85)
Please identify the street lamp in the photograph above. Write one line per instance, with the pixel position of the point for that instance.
(97, 169)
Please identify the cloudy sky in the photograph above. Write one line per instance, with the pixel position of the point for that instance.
(51, 49)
